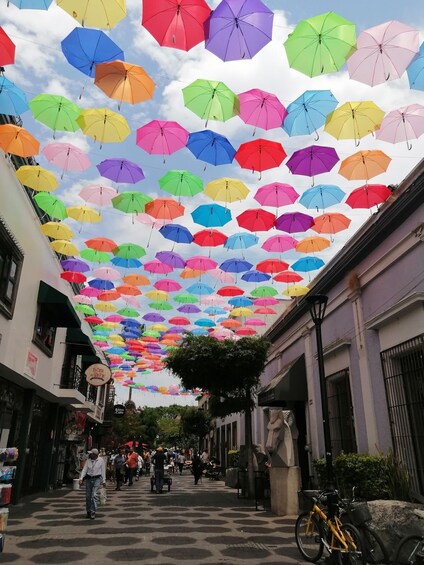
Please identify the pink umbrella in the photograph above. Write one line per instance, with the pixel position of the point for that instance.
(212, 300)
(402, 124)
(221, 275)
(98, 194)
(161, 137)
(66, 156)
(154, 223)
(276, 194)
(106, 273)
(90, 291)
(201, 263)
(131, 300)
(383, 53)
(261, 109)
(116, 318)
(255, 322)
(168, 285)
(157, 267)
(279, 243)
(266, 301)
(81, 299)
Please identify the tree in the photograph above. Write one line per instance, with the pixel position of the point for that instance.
(195, 422)
(230, 371)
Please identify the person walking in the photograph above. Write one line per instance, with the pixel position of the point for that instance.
(197, 467)
(119, 463)
(93, 475)
(181, 461)
(132, 463)
(158, 460)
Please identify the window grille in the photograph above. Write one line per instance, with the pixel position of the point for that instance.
(340, 409)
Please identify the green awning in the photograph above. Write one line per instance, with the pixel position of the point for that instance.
(80, 342)
(61, 313)
(287, 385)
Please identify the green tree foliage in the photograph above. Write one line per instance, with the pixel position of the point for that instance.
(195, 424)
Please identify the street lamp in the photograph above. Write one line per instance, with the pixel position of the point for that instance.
(317, 305)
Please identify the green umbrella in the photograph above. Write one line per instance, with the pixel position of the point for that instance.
(85, 309)
(131, 202)
(264, 292)
(55, 112)
(50, 204)
(186, 298)
(128, 312)
(211, 100)
(129, 251)
(128, 357)
(151, 333)
(320, 44)
(95, 256)
(160, 306)
(181, 183)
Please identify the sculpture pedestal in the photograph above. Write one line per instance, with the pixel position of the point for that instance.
(285, 482)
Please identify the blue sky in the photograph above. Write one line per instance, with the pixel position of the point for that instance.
(41, 67)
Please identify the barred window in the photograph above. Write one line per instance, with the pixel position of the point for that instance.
(11, 259)
(340, 409)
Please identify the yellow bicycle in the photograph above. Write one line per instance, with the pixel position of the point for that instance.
(316, 530)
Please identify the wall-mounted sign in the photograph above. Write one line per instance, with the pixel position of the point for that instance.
(119, 410)
(31, 365)
(98, 374)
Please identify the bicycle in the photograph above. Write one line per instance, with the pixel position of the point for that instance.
(315, 530)
(410, 551)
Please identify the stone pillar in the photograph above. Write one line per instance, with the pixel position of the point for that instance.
(285, 482)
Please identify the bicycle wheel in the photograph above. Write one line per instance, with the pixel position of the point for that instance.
(308, 536)
(375, 551)
(407, 550)
(355, 554)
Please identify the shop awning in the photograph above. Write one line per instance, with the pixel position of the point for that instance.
(60, 310)
(80, 342)
(287, 385)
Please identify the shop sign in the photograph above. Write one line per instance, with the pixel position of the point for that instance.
(31, 364)
(98, 374)
(119, 410)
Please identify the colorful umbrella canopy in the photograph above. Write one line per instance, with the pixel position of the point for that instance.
(121, 171)
(235, 265)
(322, 196)
(37, 178)
(209, 238)
(95, 256)
(260, 155)
(211, 100)
(130, 202)
(416, 71)
(276, 194)
(364, 165)
(239, 29)
(18, 141)
(176, 233)
(172, 259)
(176, 23)
(85, 48)
(307, 264)
(124, 82)
(331, 222)
(226, 190)
(50, 204)
(312, 244)
(229, 291)
(271, 266)
(279, 243)
(200, 289)
(383, 53)
(106, 273)
(136, 280)
(312, 160)
(211, 215)
(164, 209)
(160, 137)
(104, 125)
(261, 109)
(255, 276)
(368, 196)
(168, 285)
(31, 4)
(296, 290)
(129, 251)
(294, 222)
(221, 275)
(354, 120)
(201, 263)
(264, 292)
(66, 156)
(75, 265)
(402, 124)
(57, 230)
(125, 263)
(56, 112)
(181, 183)
(308, 112)
(211, 147)
(101, 244)
(157, 267)
(189, 309)
(98, 194)
(241, 240)
(186, 298)
(83, 214)
(286, 277)
(256, 220)
(13, 101)
(7, 49)
(320, 44)
(64, 247)
(95, 13)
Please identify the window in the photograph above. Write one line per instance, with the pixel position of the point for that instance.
(340, 409)
(11, 259)
(45, 331)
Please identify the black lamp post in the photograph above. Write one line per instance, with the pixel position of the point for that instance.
(317, 305)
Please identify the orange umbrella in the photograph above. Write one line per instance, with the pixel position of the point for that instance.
(128, 290)
(364, 165)
(18, 141)
(124, 82)
(101, 244)
(188, 273)
(109, 295)
(164, 209)
(332, 223)
(230, 324)
(312, 244)
(136, 280)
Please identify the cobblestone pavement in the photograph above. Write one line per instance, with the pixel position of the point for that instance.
(193, 524)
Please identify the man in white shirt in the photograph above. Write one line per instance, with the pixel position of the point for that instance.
(94, 475)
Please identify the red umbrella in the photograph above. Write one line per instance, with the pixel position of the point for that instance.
(246, 331)
(179, 321)
(93, 320)
(256, 219)
(331, 222)
(101, 244)
(260, 155)
(176, 23)
(272, 266)
(7, 49)
(73, 277)
(164, 209)
(230, 291)
(209, 238)
(265, 311)
(368, 196)
(287, 277)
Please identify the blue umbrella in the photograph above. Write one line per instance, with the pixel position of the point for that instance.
(241, 241)
(214, 310)
(239, 301)
(235, 265)
(205, 323)
(200, 288)
(309, 112)
(177, 233)
(211, 147)
(84, 48)
(307, 264)
(199, 331)
(416, 71)
(210, 215)
(115, 350)
(255, 276)
(101, 284)
(126, 263)
(13, 101)
(322, 196)
(130, 323)
(130, 335)
(31, 4)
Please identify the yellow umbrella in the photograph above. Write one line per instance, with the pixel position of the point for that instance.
(296, 290)
(157, 295)
(64, 247)
(124, 82)
(95, 13)
(354, 120)
(56, 230)
(242, 311)
(83, 214)
(37, 178)
(105, 307)
(104, 125)
(312, 244)
(158, 327)
(226, 190)
(112, 326)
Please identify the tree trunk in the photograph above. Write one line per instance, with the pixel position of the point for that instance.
(249, 451)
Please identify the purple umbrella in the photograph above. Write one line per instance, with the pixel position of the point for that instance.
(189, 309)
(176, 330)
(153, 317)
(238, 29)
(170, 258)
(312, 160)
(120, 170)
(294, 222)
(75, 265)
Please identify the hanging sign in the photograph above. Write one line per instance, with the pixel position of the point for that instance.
(98, 374)
(119, 410)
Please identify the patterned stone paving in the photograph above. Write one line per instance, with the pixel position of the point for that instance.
(204, 524)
